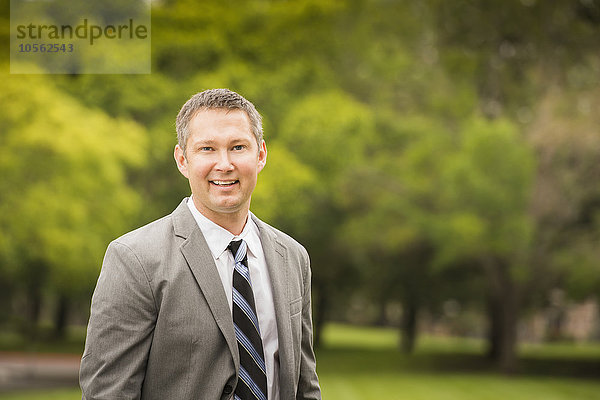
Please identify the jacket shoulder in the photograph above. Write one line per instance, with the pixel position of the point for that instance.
(159, 234)
(152, 233)
(286, 240)
(155, 244)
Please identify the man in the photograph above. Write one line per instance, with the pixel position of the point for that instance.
(208, 302)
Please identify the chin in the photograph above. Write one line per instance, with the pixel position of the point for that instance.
(228, 208)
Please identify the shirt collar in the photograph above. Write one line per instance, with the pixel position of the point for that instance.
(218, 238)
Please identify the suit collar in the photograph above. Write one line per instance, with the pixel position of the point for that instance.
(276, 257)
(183, 221)
(200, 261)
(267, 235)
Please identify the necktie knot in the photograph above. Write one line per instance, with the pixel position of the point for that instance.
(234, 245)
(238, 249)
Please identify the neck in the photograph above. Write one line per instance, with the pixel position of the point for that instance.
(234, 222)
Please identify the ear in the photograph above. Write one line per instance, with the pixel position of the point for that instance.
(181, 161)
(262, 156)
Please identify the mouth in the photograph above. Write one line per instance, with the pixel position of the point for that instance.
(228, 183)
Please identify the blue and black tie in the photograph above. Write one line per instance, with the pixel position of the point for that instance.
(252, 383)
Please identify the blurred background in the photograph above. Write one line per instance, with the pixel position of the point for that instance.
(440, 160)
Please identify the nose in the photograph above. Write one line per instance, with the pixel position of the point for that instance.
(224, 161)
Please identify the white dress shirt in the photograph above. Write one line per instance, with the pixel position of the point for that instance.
(218, 239)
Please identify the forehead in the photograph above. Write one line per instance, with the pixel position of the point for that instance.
(220, 122)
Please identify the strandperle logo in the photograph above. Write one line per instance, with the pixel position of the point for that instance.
(84, 30)
(80, 37)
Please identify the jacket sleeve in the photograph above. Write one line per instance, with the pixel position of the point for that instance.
(120, 329)
(308, 384)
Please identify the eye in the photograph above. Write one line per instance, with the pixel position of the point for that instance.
(239, 147)
(206, 148)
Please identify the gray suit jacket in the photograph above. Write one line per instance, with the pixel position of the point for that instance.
(160, 325)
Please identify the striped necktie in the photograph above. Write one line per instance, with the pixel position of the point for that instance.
(252, 383)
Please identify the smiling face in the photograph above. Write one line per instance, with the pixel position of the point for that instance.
(221, 162)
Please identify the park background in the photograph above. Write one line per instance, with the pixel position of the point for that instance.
(438, 159)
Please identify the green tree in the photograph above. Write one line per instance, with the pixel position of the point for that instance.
(565, 205)
(486, 190)
(283, 195)
(330, 144)
(394, 213)
(64, 192)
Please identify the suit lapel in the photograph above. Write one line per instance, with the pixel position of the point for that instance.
(275, 256)
(201, 263)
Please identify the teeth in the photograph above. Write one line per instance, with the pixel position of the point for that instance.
(223, 183)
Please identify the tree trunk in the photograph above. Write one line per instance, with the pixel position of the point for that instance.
(503, 318)
(381, 319)
(6, 293)
(494, 327)
(35, 278)
(61, 316)
(320, 308)
(409, 327)
(503, 333)
(34, 307)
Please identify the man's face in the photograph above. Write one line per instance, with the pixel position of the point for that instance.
(222, 162)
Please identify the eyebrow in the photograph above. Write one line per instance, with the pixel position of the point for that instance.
(204, 141)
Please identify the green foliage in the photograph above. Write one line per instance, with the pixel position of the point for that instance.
(330, 132)
(64, 191)
(283, 194)
(486, 191)
(402, 185)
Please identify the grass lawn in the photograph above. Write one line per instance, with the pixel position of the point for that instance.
(364, 364)
(51, 394)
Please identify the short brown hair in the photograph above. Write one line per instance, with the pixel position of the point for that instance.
(216, 99)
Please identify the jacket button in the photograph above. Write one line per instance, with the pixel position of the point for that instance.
(228, 389)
